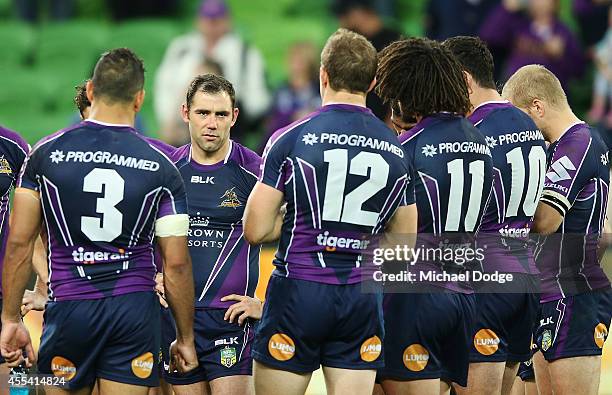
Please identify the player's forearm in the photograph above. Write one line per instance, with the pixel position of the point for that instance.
(39, 262)
(179, 290)
(15, 275)
(275, 233)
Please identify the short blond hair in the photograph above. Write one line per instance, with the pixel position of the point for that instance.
(532, 82)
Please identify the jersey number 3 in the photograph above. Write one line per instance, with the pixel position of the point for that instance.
(109, 227)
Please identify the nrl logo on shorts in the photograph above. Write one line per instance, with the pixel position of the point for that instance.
(546, 340)
(230, 199)
(228, 357)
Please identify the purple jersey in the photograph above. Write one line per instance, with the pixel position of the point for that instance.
(343, 175)
(13, 151)
(519, 164)
(453, 178)
(576, 185)
(223, 262)
(102, 187)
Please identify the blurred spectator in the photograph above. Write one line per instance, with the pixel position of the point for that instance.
(240, 63)
(450, 18)
(121, 9)
(29, 10)
(602, 89)
(362, 17)
(532, 33)
(592, 18)
(300, 94)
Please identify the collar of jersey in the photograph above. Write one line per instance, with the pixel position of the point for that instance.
(213, 166)
(113, 125)
(490, 102)
(345, 107)
(572, 126)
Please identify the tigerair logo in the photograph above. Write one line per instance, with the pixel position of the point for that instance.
(559, 170)
(486, 342)
(415, 357)
(332, 242)
(230, 199)
(142, 366)
(600, 334)
(370, 349)
(62, 367)
(281, 347)
(91, 257)
(5, 167)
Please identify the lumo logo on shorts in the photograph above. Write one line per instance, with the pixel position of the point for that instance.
(415, 357)
(142, 366)
(546, 340)
(486, 341)
(281, 347)
(600, 334)
(62, 367)
(370, 349)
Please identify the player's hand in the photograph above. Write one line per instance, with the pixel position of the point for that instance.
(33, 300)
(159, 288)
(246, 307)
(183, 357)
(14, 339)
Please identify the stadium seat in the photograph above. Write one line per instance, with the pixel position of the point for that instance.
(16, 45)
(71, 45)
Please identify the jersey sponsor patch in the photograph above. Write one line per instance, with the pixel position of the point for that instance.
(63, 367)
(281, 347)
(142, 366)
(370, 349)
(415, 357)
(559, 169)
(600, 334)
(486, 341)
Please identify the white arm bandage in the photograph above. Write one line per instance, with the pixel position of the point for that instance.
(172, 225)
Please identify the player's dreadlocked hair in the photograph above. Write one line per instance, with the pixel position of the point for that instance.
(80, 97)
(423, 77)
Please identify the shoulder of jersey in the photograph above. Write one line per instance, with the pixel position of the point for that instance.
(289, 132)
(247, 159)
(15, 139)
(47, 140)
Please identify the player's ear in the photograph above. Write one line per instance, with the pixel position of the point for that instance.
(469, 80)
(89, 88)
(372, 85)
(139, 100)
(185, 112)
(538, 107)
(235, 115)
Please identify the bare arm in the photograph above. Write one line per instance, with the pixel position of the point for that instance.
(262, 216)
(24, 229)
(178, 283)
(546, 220)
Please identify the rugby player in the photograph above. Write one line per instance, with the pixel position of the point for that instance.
(342, 173)
(501, 336)
(105, 193)
(219, 175)
(429, 331)
(576, 299)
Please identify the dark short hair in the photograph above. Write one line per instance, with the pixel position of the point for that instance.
(475, 58)
(118, 75)
(80, 97)
(424, 77)
(212, 84)
(350, 61)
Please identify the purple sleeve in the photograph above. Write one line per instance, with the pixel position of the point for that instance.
(167, 149)
(568, 173)
(499, 28)
(173, 198)
(28, 176)
(275, 159)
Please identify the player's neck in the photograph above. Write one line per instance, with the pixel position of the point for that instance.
(209, 158)
(117, 115)
(342, 97)
(560, 122)
(484, 95)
